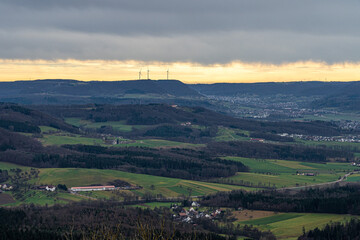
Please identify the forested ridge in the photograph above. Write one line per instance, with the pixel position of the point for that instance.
(153, 114)
(335, 231)
(339, 200)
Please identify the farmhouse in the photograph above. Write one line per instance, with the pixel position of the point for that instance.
(92, 188)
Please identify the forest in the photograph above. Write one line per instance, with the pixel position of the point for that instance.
(339, 200)
(104, 220)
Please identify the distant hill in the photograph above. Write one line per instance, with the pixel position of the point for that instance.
(21, 119)
(347, 98)
(272, 88)
(57, 91)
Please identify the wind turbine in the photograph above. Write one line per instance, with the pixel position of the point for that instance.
(167, 74)
(148, 73)
(140, 74)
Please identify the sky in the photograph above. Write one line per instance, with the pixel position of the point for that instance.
(198, 41)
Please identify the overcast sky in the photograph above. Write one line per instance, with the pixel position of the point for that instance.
(202, 31)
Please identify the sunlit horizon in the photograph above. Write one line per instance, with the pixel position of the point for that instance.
(187, 72)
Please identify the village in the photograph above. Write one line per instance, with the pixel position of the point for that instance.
(181, 214)
(349, 138)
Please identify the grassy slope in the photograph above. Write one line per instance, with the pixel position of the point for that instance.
(169, 187)
(120, 125)
(352, 145)
(229, 134)
(290, 225)
(158, 143)
(283, 173)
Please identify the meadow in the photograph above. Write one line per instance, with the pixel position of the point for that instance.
(159, 143)
(282, 173)
(168, 187)
(117, 125)
(229, 134)
(52, 136)
(353, 178)
(351, 145)
(291, 225)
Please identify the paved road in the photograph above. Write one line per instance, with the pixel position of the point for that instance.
(319, 184)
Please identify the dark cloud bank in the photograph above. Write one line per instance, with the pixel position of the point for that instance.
(205, 31)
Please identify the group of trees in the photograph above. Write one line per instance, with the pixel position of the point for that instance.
(179, 163)
(106, 220)
(339, 231)
(278, 151)
(154, 114)
(339, 200)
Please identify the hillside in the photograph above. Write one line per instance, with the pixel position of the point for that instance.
(272, 88)
(347, 98)
(21, 119)
(57, 91)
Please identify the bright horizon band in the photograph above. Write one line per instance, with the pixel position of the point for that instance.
(187, 72)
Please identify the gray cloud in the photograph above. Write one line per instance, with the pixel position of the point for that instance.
(206, 31)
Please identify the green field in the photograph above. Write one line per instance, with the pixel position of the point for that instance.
(168, 187)
(55, 139)
(157, 143)
(8, 166)
(351, 145)
(70, 139)
(45, 197)
(229, 134)
(281, 173)
(120, 125)
(153, 205)
(353, 178)
(290, 225)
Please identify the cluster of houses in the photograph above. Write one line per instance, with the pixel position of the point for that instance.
(349, 138)
(186, 124)
(306, 174)
(50, 188)
(189, 216)
(6, 187)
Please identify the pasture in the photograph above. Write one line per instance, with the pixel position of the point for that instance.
(290, 225)
(55, 139)
(281, 173)
(168, 187)
(117, 125)
(8, 166)
(229, 134)
(46, 198)
(353, 178)
(159, 143)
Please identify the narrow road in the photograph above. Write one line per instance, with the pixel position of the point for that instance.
(319, 184)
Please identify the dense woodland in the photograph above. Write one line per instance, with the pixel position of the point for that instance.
(279, 151)
(339, 200)
(179, 163)
(103, 220)
(153, 114)
(338, 231)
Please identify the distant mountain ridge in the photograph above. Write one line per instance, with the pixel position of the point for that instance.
(273, 88)
(345, 95)
(96, 88)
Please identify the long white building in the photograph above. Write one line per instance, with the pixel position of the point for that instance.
(92, 188)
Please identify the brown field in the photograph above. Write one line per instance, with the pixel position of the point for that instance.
(6, 198)
(246, 215)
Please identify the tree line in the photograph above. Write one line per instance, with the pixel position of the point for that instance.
(338, 200)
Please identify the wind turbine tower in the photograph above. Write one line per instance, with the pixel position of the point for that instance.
(148, 74)
(167, 74)
(140, 74)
